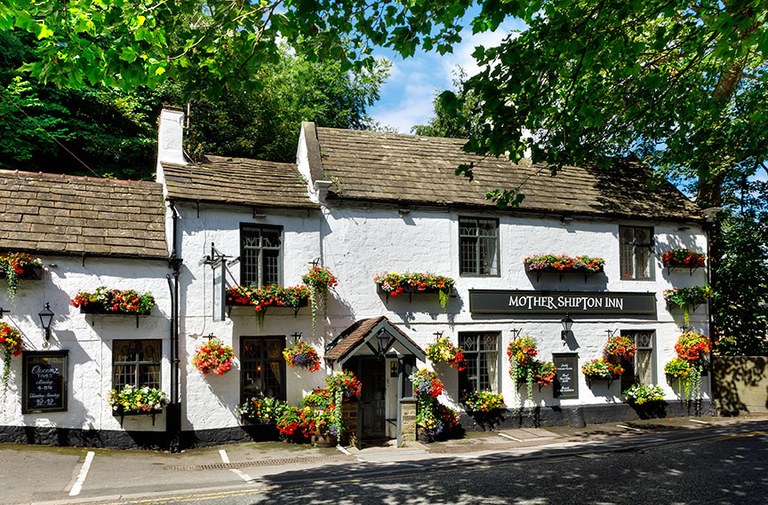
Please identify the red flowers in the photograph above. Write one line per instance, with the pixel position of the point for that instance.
(10, 338)
(692, 346)
(114, 301)
(683, 258)
(620, 347)
(213, 356)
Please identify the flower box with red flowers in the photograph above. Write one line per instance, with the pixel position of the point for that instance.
(114, 301)
(264, 297)
(683, 258)
(551, 263)
(393, 284)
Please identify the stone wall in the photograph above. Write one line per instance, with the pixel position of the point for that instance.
(740, 385)
(407, 421)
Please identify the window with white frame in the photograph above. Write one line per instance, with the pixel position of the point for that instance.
(136, 363)
(478, 246)
(260, 255)
(481, 354)
(635, 246)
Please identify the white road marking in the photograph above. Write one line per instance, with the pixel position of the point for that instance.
(628, 427)
(225, 459)
(510, 437)
(78, 485)
(343, 450)
(699, 422)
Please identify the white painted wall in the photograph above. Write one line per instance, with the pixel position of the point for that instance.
(88, 337)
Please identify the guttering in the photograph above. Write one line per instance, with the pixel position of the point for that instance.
(173, 419)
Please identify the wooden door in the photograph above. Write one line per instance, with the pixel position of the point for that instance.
(373, 398)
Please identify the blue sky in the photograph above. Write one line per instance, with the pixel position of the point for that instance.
(406, 97)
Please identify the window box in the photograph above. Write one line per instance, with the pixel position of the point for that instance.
(683, 259)
(122, 414)
(393, 284)
(561, 264)
(29, 273)
(114, 302)
(268, 296)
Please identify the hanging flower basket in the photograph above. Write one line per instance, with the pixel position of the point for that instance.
(426, 383)
(12, 345)
(302, 355)
(318, 280)
(346, 383)
(564, 264)
(114, 301)
(683, 258)
(393, 284)
(622, 348)
(443, 351)
(17, 266)
(523, 365)
(213, 356)
(544, 373)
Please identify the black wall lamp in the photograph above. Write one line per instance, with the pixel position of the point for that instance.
(567, 323)
(382, 342)
(46, 317)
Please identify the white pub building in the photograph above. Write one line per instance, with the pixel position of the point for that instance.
(361, 204)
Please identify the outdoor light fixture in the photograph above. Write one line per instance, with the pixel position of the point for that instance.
(567, 323)
(382, 340)
(46, 317)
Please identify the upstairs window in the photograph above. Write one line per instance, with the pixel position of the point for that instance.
(635, 245)
(479, 246)
(260, 255)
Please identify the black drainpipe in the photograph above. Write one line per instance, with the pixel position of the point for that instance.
(173, 410)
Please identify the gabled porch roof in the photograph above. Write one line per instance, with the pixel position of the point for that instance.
(362, 336)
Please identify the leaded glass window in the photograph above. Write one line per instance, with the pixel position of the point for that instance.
(136, 363)
(262, 367)
(635, 246)
(481, 354)
(640, 369)
(260, 255)
(479, 246)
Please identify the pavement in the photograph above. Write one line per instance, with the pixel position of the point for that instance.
(68, 475)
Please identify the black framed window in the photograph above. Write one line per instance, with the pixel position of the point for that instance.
(640, 369)
(481, 353)
(136, 363)
(262, 367)
(260, 255)
(635, 246)
(478, 246)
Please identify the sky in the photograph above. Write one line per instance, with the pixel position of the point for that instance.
(407, 96)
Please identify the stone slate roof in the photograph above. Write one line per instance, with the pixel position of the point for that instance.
(355, 335)
(412, 170)
(238, 181)
(62, 214)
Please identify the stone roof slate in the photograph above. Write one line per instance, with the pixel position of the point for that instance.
(238, 181)
(63, 214)
(408, 169)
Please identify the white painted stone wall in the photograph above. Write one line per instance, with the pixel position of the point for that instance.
(88, 337)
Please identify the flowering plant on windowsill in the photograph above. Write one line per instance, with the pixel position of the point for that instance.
(639, 394)
(114, 301)
(562, 263)
(273, 295)
(17, 266)
(394, 283)
(483, 402)
(144, 400)
(213, 356)
(443, 351)
(683, 258)
(12, 343)
(302, 355)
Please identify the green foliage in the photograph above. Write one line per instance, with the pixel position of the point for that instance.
(455, 114)
(640, 394)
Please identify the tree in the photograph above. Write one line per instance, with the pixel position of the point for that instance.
(455, 113)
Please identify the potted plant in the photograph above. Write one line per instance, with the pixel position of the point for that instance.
(687, 298)
(443, 351)
(318, 398)
(260, 415)
(346, 383)
(683, 258)
(213, 356)
(601, 369)
(13, 345)
(114, 301)
(432, 418)
(132, 400)
(302, 355)
(319, 280)
(393, 283)
(326, 430)
(485, 407)
(264, 297)
(17, 266)
(646, 399)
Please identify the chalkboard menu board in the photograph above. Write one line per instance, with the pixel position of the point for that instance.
(45, 381)
(566, 376)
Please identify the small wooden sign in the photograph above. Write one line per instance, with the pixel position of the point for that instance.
(44, 386)
(566, 376)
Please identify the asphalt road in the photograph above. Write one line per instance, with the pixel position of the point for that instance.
(717, 467)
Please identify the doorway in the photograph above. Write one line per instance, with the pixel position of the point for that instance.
(372, 413)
